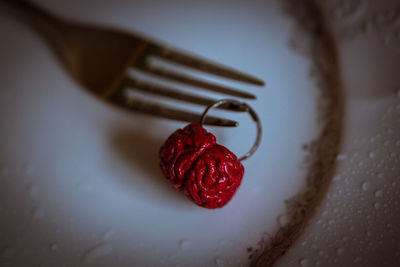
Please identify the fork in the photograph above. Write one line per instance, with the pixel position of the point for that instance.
(99, 58)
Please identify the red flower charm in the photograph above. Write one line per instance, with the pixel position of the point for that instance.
(209, 173)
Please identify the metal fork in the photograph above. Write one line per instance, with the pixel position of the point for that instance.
(99, 58)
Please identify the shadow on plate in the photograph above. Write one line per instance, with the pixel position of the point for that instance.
(138, 150)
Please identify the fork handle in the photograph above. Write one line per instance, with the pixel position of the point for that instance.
(52, 28)
(34, 11)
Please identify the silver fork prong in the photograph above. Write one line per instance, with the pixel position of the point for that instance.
(172, 93)
(174, 76)
(164, 111)
(201, 64)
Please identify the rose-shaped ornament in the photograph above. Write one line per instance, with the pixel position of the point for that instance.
(209, 173)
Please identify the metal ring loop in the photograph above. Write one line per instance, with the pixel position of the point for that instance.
(253, 115)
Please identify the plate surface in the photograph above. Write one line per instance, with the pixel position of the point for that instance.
(80, 182)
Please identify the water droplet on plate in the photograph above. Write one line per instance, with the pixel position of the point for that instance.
(371, 155)
(386, 143)
(108, 233)
(365, 186)
(304, 262)
(341, 157)
(379, 193)
(95, 252)
(219, 262)
(53, 247)
(37, 213)
(377, 205)
(340, 251)
(185, 244)
(33, 190)
(29, 169)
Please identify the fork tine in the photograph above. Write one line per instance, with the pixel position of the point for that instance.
(174, 76)
(159, 110)
(175, 94)
(204, 65)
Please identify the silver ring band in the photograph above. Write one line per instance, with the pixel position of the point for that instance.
(252, 114)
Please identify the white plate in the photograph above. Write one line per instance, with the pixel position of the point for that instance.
(80, 182)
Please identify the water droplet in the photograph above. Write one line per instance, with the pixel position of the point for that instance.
(361, 163)
(371, 155)
(325, 213)
(341, 157)
(33, 190)
(372, 140)
(377, 205)
(393, 154)
(304, 262)
(222, 242)
(304, 243)
(331, 221)
(8, 252)
(171, 257)
(108, 233)
(95, 252)
(335, 210)
(37, 213)
(380, 175)
(53, 247)
(365, 186)
(358, 259)
(386, 143)
(398, 143)
(336, 178)
(379, 193)
(185, 244)
(29, 169)
(340, 251)
(219, 262)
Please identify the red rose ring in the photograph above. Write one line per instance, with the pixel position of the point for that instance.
(207, 172)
